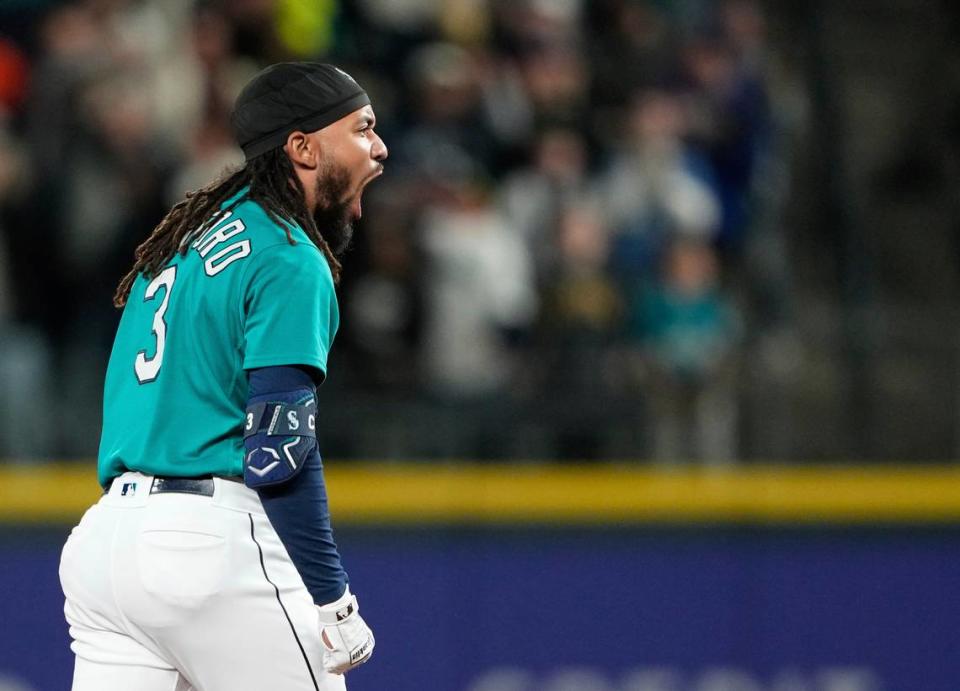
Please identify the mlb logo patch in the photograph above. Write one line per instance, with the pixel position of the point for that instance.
(129, 489)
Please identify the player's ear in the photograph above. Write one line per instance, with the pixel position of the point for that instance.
(302, 150)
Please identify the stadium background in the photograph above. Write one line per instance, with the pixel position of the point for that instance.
(648, 372)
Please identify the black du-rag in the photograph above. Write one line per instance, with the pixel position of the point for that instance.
(291, 96)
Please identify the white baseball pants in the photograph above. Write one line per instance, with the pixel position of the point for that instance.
(178, 592)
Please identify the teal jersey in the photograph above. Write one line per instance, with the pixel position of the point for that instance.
(242, 297)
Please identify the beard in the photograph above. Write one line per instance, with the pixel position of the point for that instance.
(332, 214)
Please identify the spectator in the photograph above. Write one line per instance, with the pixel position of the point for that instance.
(25, 358)
(446, 113)
(533, 196)
(730, 119)
(656, 188)
(580, 321)
(687, 332)
(382, 311)
(478, 293)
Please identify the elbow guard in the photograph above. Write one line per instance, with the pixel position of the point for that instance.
(279, 436)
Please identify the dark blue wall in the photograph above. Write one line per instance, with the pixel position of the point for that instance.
(619, 610)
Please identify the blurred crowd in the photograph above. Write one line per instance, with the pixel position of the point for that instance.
(576, 240)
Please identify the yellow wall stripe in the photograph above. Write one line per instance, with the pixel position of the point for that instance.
(372, 493)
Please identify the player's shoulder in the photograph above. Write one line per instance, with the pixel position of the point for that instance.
(271, 245)
(292, 259)
(260, 225)
(273, 254)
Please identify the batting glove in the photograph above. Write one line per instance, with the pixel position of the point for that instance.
(348, 641)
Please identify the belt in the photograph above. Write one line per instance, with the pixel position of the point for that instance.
(201, 486)
(183, 485)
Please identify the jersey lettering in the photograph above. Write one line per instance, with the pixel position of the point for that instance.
(218, 234)
(200, 240)
(146, 368)
(225, 257)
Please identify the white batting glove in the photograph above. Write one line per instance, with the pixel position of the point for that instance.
(347, 640)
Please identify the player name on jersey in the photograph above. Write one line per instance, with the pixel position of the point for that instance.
(214, 238)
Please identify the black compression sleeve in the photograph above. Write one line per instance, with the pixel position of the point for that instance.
(298, 509)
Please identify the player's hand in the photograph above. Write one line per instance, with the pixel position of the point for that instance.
(347, 640)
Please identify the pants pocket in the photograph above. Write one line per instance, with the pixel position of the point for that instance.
(181, 568)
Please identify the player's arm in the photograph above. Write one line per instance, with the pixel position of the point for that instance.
(282, 462)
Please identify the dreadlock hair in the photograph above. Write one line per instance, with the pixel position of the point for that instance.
(273, 185)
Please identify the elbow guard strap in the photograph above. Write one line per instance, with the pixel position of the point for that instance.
(279, 434)
(281, 419)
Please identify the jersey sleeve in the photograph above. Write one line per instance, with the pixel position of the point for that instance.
(290, 311)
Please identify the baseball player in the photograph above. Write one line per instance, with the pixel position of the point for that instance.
(209, 563)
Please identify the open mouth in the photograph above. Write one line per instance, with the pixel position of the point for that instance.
(356, 206)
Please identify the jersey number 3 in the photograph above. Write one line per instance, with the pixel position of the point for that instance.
(148, 368)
